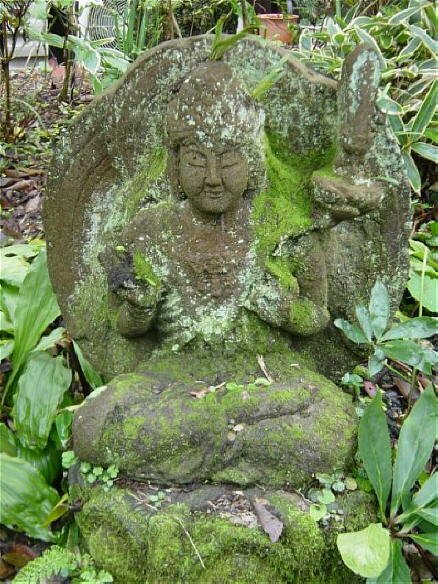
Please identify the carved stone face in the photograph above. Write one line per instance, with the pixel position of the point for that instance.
(213, 179)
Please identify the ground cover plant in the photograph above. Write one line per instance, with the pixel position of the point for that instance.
(43, 374)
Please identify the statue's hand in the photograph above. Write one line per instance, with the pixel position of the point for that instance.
(138, 298)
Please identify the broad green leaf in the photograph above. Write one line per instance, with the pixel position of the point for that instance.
(8, 300)
(36, 309)
(365, 552)
(375, 450)
(318, 511)
(363, 316)
(47, 461)
(427, 110)
(411, 353)
(13, 270)
(415, 328)
(416, 441)
(40, 390)
(26, 250)
(63, 422)
(412, 171)
(428, 151)
(426, 496)
(425, 290)
(91, 375)
(428, 492)
(351, 331)
(397, 570)
(6, 349)
(430, 514)
(427, 540)
(27, 499)
(50, 340)
(379, 308)
(7, 441)
(376, 361)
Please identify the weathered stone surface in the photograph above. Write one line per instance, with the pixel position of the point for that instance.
(176, 433)
(207, 238)
(120, 526)
(318, 221)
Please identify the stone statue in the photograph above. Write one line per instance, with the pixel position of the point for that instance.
(214, 240)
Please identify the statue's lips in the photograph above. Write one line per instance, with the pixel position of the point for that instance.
(214, 194)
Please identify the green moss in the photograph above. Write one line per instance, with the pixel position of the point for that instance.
(176, 546)
(150, 168)
(284, 209)
(144, 270)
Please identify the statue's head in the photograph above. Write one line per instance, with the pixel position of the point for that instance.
(215, 139)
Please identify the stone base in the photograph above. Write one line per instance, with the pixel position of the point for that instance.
(245, 432)
(187, 542)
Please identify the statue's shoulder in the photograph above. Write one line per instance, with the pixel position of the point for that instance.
(151, 223)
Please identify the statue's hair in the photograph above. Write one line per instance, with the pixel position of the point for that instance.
(213, 106)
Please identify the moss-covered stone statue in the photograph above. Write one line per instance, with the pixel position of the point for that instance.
(201, 243)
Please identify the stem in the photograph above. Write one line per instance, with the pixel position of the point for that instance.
(432, 569)
(397, 372)
(7, 81)
(413, 382)
(423, 272)
(245, 17)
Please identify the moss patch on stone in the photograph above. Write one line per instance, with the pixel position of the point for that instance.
(175, 545)
(144, 271)
(284, 209)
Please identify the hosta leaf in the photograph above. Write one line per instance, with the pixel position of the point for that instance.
(40, 390)
(379, 308)
(414, 446)
(365, 552)
(416, 328)
(397, 570)
(26, 498)
(425, 290)
(36, 308)
(375, 450)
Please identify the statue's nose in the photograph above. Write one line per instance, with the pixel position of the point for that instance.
(213, 177)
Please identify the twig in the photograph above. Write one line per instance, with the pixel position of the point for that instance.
(262, 365)
(191, 541)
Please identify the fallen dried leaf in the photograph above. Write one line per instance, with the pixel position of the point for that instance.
(269, 522)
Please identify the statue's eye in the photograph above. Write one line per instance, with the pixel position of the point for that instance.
(229, 159)
(196, 159)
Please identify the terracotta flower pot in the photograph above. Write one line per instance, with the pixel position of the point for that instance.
(276, 26)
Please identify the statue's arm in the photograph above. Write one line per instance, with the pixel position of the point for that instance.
(301, 307)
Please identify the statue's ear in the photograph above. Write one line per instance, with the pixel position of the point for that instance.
(357, 99)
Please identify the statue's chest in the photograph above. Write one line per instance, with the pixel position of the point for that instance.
(211, 261)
